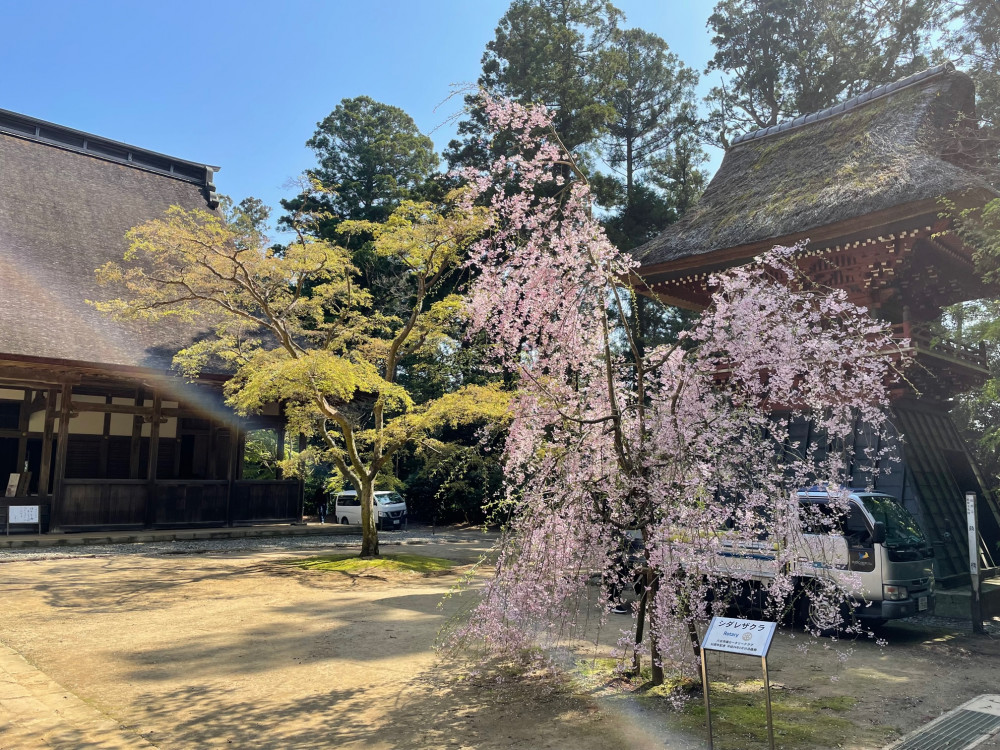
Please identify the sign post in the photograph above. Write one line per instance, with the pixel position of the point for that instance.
(736, 636)
(973, 519)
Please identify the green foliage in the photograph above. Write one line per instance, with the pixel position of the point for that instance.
(548, 52)
(977, 413)
(455, 480)
(649, 94)
(260, 455)
(371, 157)
(784, 58)
(974, 42)
(294, 326)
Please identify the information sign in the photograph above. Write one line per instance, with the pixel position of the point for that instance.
(973, 520)
(23, 514)
(736, 636)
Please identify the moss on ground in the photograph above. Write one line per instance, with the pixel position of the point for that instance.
(739, 713)
(351, 564)
(739, 717)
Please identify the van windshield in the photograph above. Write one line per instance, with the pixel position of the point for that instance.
(388, 498)
(901, 528)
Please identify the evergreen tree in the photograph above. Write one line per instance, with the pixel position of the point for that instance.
(544, 52)
(784, 58)
(371, 157)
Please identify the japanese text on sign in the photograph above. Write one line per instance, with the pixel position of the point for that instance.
(23, 514)
(736, 636)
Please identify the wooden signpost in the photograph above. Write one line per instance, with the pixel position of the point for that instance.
(736, 636)
(973, 521)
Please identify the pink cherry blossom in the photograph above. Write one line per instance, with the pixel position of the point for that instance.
(691, 445)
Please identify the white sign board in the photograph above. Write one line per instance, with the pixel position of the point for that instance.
(970, 512)
(23, 514)
(12, 481)
(736, 636)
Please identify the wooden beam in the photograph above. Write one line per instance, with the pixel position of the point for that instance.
(13, 377)
(145, 411)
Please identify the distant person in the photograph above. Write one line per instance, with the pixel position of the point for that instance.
(320, 499)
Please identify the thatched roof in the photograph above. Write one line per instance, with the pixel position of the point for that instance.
(875, 152)
(66, 201)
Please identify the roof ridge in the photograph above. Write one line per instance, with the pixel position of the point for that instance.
(81, 142)
(860, 100)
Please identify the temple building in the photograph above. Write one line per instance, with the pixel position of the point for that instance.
(99, 431)
(861, 183)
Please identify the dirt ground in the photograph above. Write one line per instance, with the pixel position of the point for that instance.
(235, 650)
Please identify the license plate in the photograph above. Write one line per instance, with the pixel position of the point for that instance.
(921, 603)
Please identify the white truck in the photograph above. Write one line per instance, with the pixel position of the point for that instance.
(877, 554)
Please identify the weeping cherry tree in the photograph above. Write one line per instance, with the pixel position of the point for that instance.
(682, 444)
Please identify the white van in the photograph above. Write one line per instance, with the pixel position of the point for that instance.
(390, 509)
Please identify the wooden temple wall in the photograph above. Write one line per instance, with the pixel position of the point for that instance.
(115, 457)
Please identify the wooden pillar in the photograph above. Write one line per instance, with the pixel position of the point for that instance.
(278, 473)
(236, 435)
(135, 448)
(62, 446)
(211, 470)
(241, 449)
(105, 442)
(302, 482)
(24, 417)
(154, 456)
(44, 471)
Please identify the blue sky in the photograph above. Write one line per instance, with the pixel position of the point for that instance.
(243, 84)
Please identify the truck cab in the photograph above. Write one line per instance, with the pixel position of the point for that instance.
(879, 544)
(866, 542)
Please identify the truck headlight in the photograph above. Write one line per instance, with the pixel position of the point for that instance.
(381, 514)
(894, 593)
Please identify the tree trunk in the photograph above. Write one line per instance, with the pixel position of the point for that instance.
(654, 647)
(640, 622)
(369, 533)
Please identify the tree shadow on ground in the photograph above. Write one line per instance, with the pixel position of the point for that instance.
(120, 585)
(301, 634)
(438, 708)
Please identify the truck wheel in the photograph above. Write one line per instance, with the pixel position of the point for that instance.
(818, 619)
(343, 521)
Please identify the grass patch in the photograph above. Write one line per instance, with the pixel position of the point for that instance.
(739, 717)
(353, 565)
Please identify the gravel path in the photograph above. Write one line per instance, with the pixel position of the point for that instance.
(416, 535)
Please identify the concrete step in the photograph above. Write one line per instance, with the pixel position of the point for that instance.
(957, 602)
